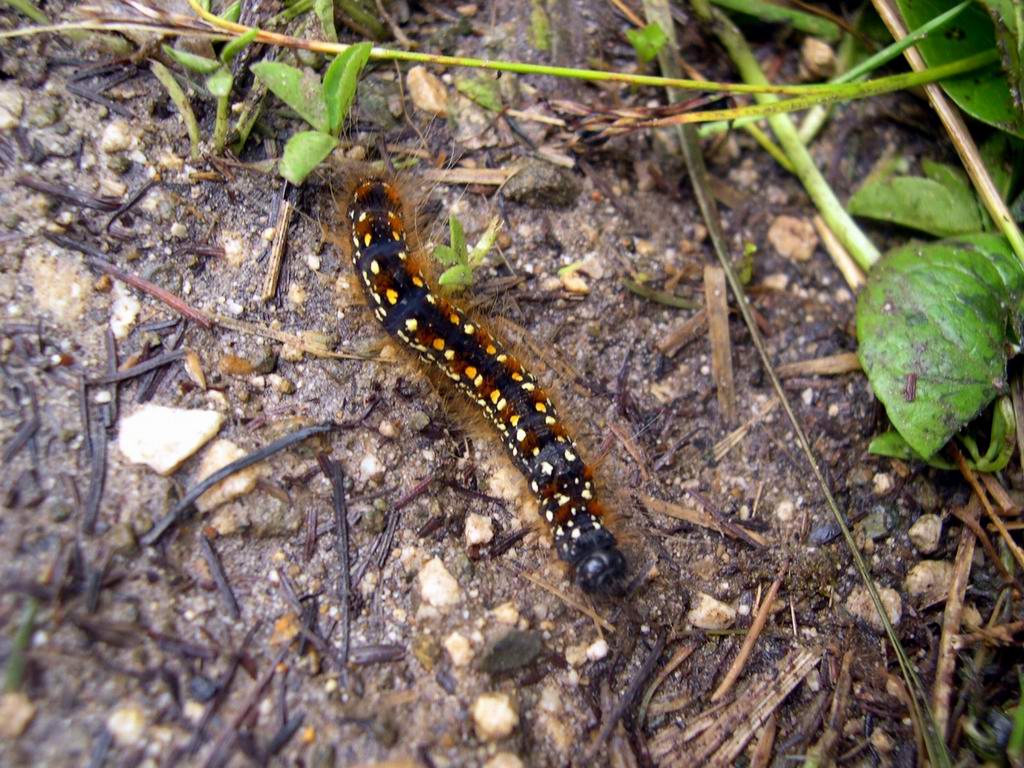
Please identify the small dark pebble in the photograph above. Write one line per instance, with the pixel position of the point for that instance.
(542, 185)
(514, 650)
(202, 689)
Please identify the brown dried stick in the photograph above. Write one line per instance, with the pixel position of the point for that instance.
(951, 617)
(748, 642)
(717, 306)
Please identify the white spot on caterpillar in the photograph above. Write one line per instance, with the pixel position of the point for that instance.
(546, 468)
(569, 455)
(375, 267)
(411, 324)
(521, 435)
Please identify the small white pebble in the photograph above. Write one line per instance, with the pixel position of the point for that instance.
(597, 649)
(126, 724)
(459, 649)
(479, 529)
(494, 716)
(438, 587)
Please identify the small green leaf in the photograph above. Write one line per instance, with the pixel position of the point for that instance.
(304, 152)
(163, 74)
(200, 64)
(485, 243)
(1002, 438)
(296, 88)
(458, 276)
(647, 41)
(1009, 26)
(481, 89)
(340, 82)
(445, 255)
(540, 26)
(235, 46)
(233, 12)
(984, 94)
(219, 83)
(458, 239)
(941, 205)
(324, 10)
(892, 444)
(936, 324)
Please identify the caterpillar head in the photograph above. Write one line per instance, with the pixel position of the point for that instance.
(600, 566)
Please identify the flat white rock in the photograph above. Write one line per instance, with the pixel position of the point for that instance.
(217, 456)
(162, 438)
(438, 588)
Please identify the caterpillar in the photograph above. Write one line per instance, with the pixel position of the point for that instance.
(490, 377)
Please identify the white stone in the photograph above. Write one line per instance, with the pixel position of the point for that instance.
(163, 437)
(597, 649)
(16, 712)
(124, 311)
(370, 468)
(116, 137)
(882, 483)
(219, 455)
(427, 91)
(459, 649)
(506, 613)
(709, 613)
(11, 106)
(504, 760)
(793, 238)
(861, 608)
(494, 716)
(925, 533)
(929, 580)
(438, 587)
(479, 529)
(127, 724)
(234, 248)
(784, 511)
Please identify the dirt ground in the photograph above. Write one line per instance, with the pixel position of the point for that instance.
(467, 645)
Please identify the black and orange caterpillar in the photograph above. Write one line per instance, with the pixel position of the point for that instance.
(510, 397)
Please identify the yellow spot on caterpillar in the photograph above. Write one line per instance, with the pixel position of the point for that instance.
(375, 267)
(517, 376)
(438, 344)
(392, 296)
(449, 355)
(491, 349)
(536, 451)
(470, 372)
(431, 299)
(495, 396)
(478, 381)
(412, 325)
(501, 358)
(521, 435)
(528, 386)
(469, 328)
(367, 238)
(549, 420)
(513, 419)
(417, 281)
(395, 235)
(539, 406)
(454, 318)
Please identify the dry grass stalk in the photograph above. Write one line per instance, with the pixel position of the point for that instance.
(831, 365)
(762, 756)
(821, 753)
(852, 273)
(734, 438)
(683, 333)
(951, 617)
(702, 519)
(277, 249)
(972, 479)
(748, 642)
(492, 177)
(717, 305)
(570, 601)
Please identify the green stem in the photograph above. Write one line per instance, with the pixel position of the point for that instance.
(163, 74)
(850, 235)
(25, 7)
(14, 674)
(220, 126)
(773, 12)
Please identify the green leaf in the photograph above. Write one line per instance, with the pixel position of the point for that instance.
(647, 41)
(304, 152)
(935, 324)
(219, 83)
(233, 12)
(445, 255)
(892, 444)
(296, 88)
(484, 90)
(459, 276)
(458, 239)
(200, 64)
(485, 243)
(942, 205)
(983, 94)
(340, 82)
(236, 45)
(1008, 21)
(1002, 439)
(540, 26)
(163, 74)
(324, 10)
